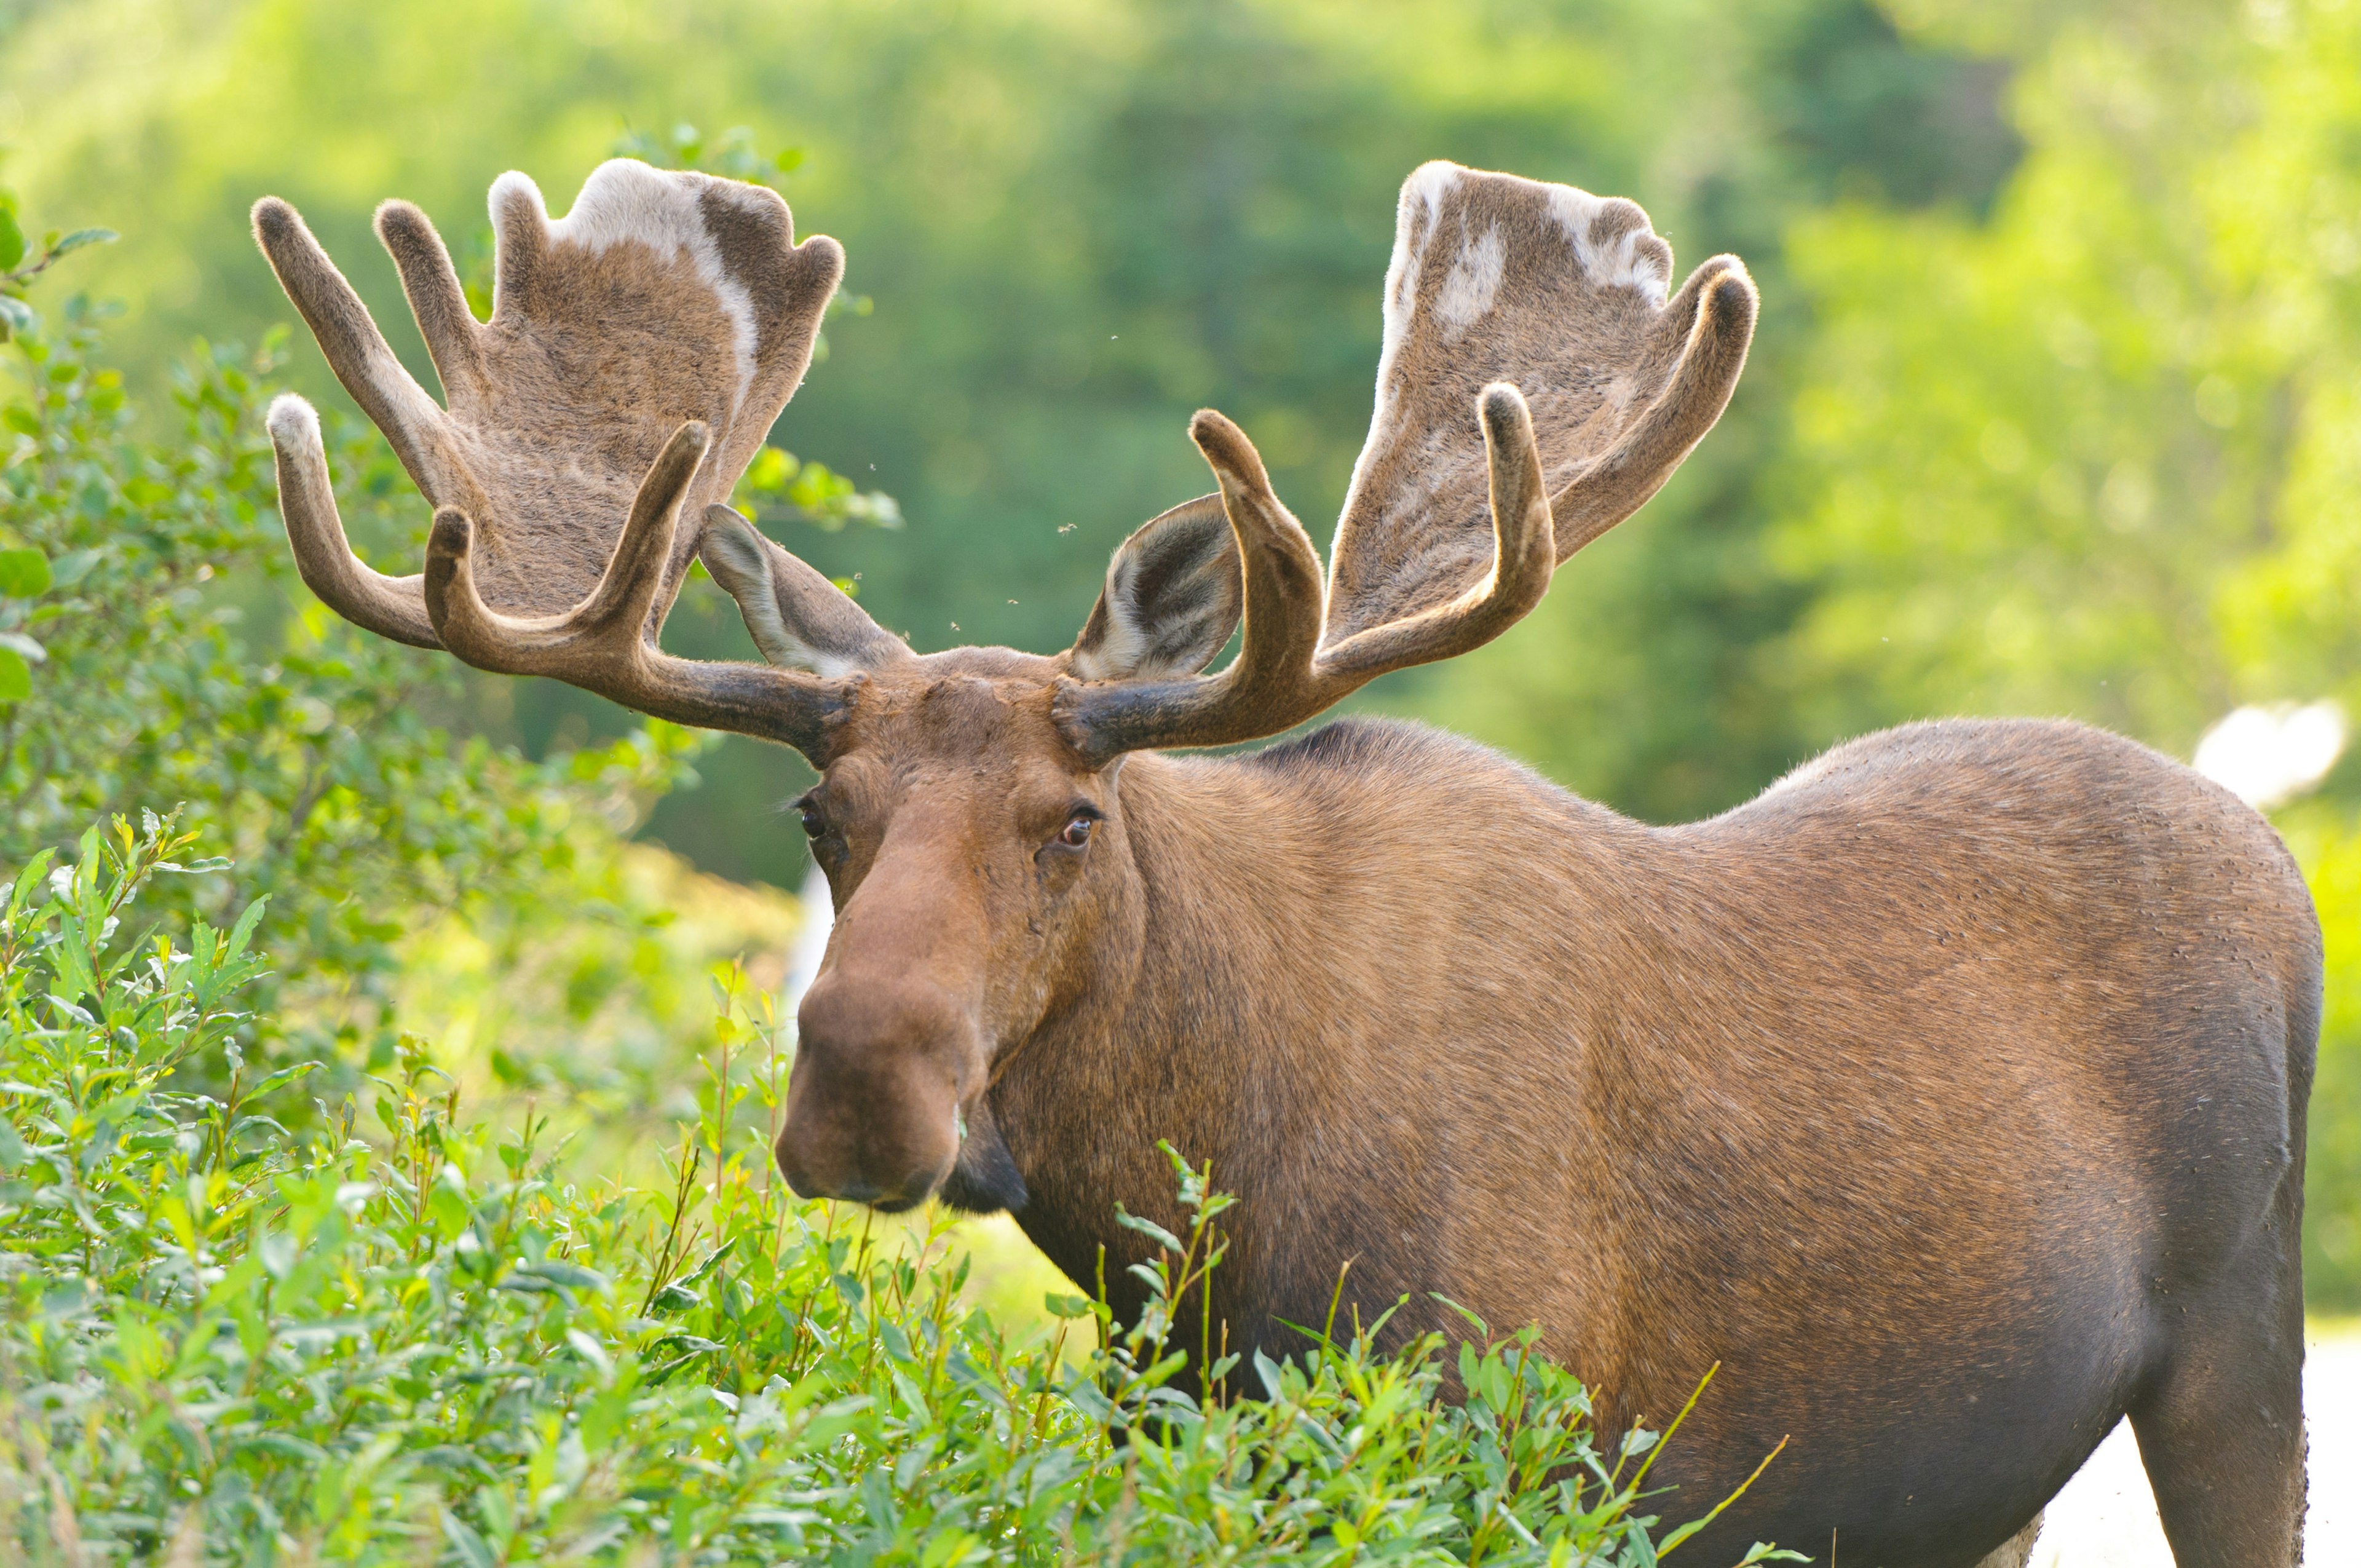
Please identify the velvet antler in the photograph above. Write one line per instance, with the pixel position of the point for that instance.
(639, 349)
(1535, 387)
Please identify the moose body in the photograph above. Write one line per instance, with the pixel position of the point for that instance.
(1950, 1095)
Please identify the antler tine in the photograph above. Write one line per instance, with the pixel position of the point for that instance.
(356, 351)
(602, 626)
(1718, 305)
(1282, 675)
(454, 337)
(390, 607)
(1267, 687)
(1284, 590)
(1525, 552)
(607, 644)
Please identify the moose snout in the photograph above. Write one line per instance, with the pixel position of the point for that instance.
(873, 1099)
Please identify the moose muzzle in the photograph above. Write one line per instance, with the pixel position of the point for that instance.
(873, 1100)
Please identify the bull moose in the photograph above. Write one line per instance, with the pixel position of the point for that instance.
(1950, 1093)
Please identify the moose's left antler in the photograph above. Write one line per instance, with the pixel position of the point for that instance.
(1535, 387)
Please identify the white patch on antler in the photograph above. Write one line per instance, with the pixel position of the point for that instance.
(1431, 184)
(627, 200)
(1493, 278)
(1619, 264)
(292, 422)
(1474, 282)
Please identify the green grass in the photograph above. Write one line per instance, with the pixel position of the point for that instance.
(402, 1336)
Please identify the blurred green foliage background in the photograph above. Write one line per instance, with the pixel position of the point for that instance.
(2054, 409)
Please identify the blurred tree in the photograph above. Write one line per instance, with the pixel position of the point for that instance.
(1867, 114)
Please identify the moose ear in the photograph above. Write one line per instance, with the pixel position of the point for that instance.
(1174, 595)
(797, 616)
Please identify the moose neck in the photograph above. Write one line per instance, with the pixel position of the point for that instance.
(1257, 1011)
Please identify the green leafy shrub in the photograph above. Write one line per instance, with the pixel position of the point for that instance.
(402, 1336)
(179, 668)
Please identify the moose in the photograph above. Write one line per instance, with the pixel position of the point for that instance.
(1949, 1094)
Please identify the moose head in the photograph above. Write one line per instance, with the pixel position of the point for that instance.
(1539, 381)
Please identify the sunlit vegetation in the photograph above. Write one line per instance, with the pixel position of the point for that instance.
(424, 1216)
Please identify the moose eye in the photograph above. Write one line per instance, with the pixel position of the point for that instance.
(1077, 831)
(815, 822)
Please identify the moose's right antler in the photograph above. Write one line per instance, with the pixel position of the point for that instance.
(638, 352)
(1535, 387)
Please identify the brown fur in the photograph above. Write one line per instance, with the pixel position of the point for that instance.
(1949, 1095)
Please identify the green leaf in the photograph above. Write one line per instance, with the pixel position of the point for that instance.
(696, 1275)
(591, 1350)
(243, 931)
(1149, 1228)
(17, 316)
(473, 1550)
(23, 573)
(72, 567)
(771, 469)
(16, 676)
(277, 1251)
(573, 1276)
(81, 237)
(12, 240)
(285, 1075)
(16, 416)
(29, 881)
(282, 1445)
